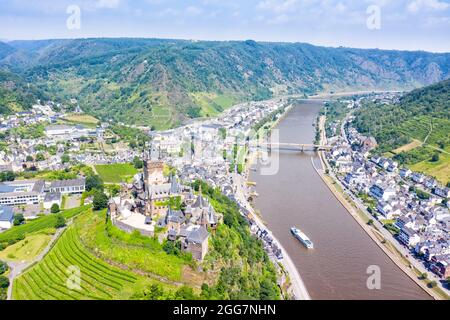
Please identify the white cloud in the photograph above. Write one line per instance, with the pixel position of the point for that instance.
(417, 5)
(277, 6)
(109, 4)
(194, 11)
(282, 18)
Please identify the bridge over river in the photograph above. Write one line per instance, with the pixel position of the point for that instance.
(294, 146)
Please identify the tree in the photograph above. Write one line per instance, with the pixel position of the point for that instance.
(94, 182)
(435, 157)
(60, 221)
(3, 267)
(424, 276)
(54, 208)
(432, 284)
(29, 158)
(4, 282)
(65, 159)
(19, 219)
(40, 157)
(100, 200)
(113, 189)
(7, 176)
(138, 163)
(154, 292)
(268, 291)
(185, 293)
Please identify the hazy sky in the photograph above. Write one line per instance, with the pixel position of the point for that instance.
(387, 24)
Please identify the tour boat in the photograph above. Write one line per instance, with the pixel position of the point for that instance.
(302, 238)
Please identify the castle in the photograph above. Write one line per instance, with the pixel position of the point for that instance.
(163, 202)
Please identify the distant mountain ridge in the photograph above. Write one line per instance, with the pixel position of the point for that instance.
(163, 82)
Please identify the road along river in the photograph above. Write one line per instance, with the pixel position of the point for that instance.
(337, 268)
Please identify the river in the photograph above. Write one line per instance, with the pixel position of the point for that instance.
(296, 196)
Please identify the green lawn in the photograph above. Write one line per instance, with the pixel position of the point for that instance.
(440, 169)
(83, 119)
(116, 173)
(34, 226)
(27, 249)
(211, 104)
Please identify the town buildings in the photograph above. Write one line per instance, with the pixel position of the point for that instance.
(411, 205)
(13, 193)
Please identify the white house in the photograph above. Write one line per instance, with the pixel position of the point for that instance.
(68, 186)
(409, 237)
(382, 192)
(442, 192)
(6, 217)
(21, 192)
(52, 198)
(405, 173)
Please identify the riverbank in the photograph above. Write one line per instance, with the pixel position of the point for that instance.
(297, 286)
(362, 218)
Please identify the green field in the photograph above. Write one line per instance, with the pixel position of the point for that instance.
(116, 173)
(211, 104)
(27, 249)
(48, 279)
(34, 226)
(440, 169)
(83, 119)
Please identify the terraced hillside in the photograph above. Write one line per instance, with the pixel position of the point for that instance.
(48, 279)
(416, 131)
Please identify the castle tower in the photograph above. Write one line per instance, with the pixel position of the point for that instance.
(153, 172)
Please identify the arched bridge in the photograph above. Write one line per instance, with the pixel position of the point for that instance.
(294, 146)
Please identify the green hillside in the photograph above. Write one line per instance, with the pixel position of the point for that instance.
(16, 94)
(416, 130)
(165, 82)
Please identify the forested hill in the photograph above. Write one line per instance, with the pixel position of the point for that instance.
(164, 82)
(423, 115)
(16, 94)
(433, 100)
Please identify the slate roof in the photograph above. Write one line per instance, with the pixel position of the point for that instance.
(200, 202)
(68, 183)
(198, 235)
(52, 196)
(6, 214)
(175, 216)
